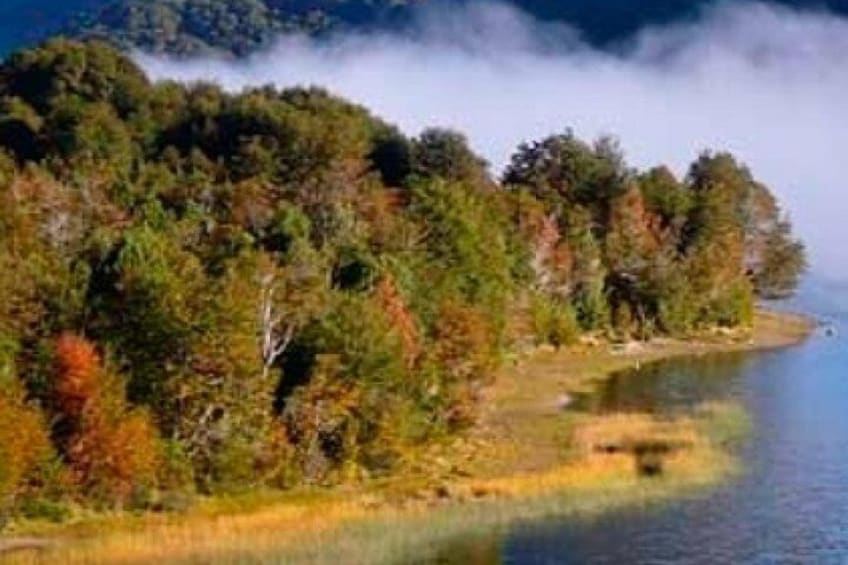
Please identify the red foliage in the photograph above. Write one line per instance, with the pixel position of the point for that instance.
(76, 384)
(110, 449)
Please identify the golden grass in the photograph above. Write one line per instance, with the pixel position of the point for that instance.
(292, 529)
(281, 531)
(623, 432)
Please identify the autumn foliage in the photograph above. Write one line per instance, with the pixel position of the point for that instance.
(465, 352)
(400, 317)
(111, 449)
(24, 445)
(77, 384)
(285, 281)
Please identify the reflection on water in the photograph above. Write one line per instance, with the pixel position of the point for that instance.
(477, 550)
(669, 386)
(791, 504)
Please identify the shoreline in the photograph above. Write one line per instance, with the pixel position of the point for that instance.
(518, 462)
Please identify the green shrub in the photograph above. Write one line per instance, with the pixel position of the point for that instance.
(554, 322)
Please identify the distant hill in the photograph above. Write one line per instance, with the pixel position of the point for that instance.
(233, 26)
(241, 26)
(23, 22)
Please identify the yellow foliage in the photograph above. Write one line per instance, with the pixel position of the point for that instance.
(24, 444)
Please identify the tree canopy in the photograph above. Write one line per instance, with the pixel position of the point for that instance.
(223, 291)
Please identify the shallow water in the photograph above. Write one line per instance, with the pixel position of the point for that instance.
(789, 506)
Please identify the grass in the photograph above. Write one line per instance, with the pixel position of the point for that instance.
(357, 529)
(526, 459)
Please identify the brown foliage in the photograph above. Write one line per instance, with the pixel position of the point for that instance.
(465, 352)
(463, 339)
(251, 204)
(110, 459)
(400, 318)
(630, 239)
(552, 258)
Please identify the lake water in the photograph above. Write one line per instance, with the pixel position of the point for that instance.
(789, 506)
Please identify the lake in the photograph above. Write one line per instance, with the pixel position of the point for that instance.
(789, 506)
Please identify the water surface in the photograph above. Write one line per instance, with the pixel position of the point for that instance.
(789, 506)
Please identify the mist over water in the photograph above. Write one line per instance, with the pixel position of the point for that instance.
(767, 83)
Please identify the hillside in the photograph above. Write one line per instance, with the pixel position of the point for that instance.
(241, 26)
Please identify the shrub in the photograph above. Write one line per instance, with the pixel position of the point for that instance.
(554, 322)
(175, 469)
(77, 383)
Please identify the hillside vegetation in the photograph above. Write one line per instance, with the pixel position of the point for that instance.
(206, 292)
(239, 27)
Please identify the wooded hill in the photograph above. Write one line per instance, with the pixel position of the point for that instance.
(241, 26)
(208, 292)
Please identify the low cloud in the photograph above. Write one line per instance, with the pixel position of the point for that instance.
(766, 83)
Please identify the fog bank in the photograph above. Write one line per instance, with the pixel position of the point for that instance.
(766, 83)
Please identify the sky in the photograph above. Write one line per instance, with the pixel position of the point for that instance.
(768, 84)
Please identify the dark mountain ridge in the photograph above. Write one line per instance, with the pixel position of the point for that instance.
(241, 26)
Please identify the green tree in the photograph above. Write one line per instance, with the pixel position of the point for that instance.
(445, 154)
(561, 170)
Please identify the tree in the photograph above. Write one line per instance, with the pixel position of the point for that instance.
(60, 69)
(665, 196)
(714, 236)
(629, 242)
(589, 296)
(465, 246)
(630, 247)
(561, 170)
(782, 264)
(774, 259)
(290, 297)
(445, 154)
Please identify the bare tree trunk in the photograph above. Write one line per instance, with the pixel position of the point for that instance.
(276, 335)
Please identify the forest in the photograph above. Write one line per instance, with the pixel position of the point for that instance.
(240, 27)
(205, 292)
